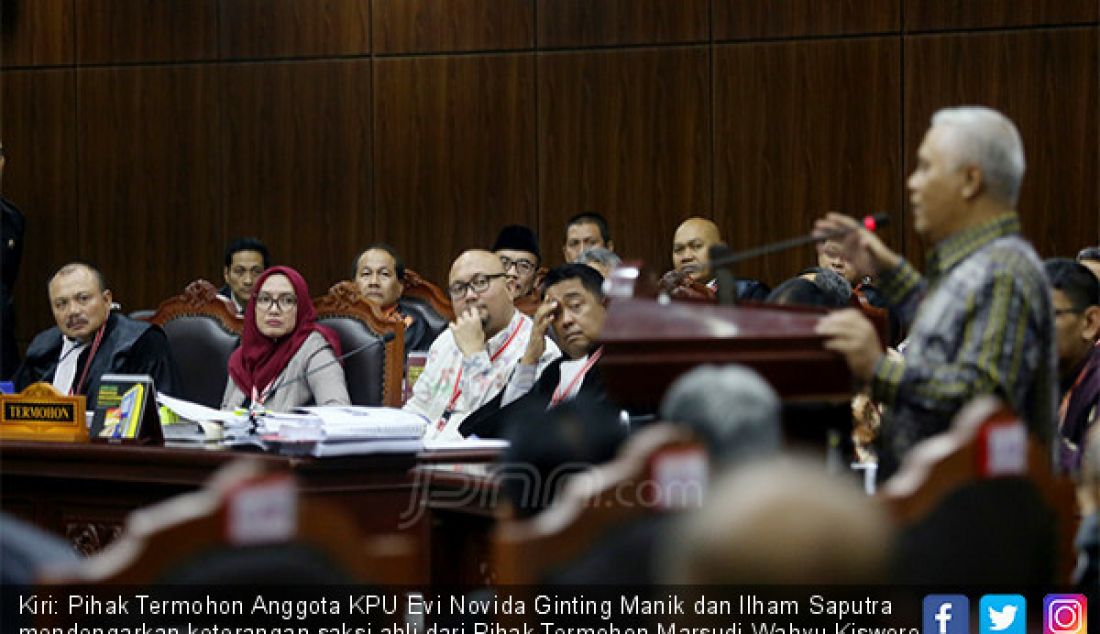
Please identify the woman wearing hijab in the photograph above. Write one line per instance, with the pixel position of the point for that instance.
(282, 350)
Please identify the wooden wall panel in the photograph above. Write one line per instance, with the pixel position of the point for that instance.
(36, 32)
(1046, 82)
(454, 154)
(39, 114)
(761, 19)
(149, 182)
(296, 160)
(293, 28)
(574, 23)
(625, 133)
(418, 26)
(802, 128)
(109, 31)
(936, 15)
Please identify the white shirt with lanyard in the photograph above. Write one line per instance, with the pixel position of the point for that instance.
(454, 385)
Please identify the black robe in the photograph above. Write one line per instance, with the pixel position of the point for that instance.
(11, 245)
(128, 347)
(490, 420)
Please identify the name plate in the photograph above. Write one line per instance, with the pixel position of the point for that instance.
(42, 413)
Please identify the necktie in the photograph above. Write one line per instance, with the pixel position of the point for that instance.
(66, 367)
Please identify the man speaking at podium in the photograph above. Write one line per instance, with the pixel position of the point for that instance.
(981, 321)
(90, 341)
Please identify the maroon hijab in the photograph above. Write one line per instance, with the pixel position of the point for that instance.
(260, 359)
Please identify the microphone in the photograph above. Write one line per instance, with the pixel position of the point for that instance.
(871, 223)
(386, 338)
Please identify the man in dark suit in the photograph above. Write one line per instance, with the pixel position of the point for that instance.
(380, 274)
(575, 307)
(245, 260)
(11, 245)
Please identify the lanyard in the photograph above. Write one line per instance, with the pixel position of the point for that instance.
(258, 398)
(560, 395)
(1063, 407)
(456, 392)
(91, 355)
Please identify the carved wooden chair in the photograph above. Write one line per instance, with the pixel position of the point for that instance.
(979, 504)
(203, 329)
(659, 470)
(427, 302)
(247, 525)
(373, 375)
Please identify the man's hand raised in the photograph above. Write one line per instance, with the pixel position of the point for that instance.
(468, 333)
(868, 254)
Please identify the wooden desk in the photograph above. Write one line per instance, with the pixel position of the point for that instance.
(84, 492)
(463, 503)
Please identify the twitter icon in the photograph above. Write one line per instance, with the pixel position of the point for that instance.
(1002, 614)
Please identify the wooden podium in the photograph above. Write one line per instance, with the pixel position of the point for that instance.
(649, 343)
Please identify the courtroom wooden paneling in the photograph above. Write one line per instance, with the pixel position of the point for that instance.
(36, 32)
(802, 128)
(150, 186)
(296, 162)
(39, 128)
(759, 19)
(109, 31)
(454, 154)
(625, 133)
(1046, 82)
(576, 23)
(419, 26)
(293, 28)
(936, 15)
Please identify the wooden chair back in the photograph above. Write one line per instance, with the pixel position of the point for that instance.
(373, 375)
(980, 503)
(203, 329)
(428, 299)
(659, 469)
(248, 525)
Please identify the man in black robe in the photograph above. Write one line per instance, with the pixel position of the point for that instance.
(90, 341)
(11, 245)
(575, 306)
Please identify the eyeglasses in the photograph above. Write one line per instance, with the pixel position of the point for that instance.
(522, 266)
(480, 284)
(284, 302)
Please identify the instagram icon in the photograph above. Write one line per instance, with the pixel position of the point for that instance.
(1065, 614)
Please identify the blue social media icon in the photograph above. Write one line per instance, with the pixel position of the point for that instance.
(1002, 614)
(946, 614)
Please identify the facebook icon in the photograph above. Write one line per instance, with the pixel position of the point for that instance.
(946, 614)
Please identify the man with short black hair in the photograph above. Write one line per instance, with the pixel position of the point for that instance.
(586, 230)
(1076, 296)
(245, 260)
(575, 307)
(90, 341)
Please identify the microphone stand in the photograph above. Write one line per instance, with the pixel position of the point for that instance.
(726, 258)
(253, 411)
